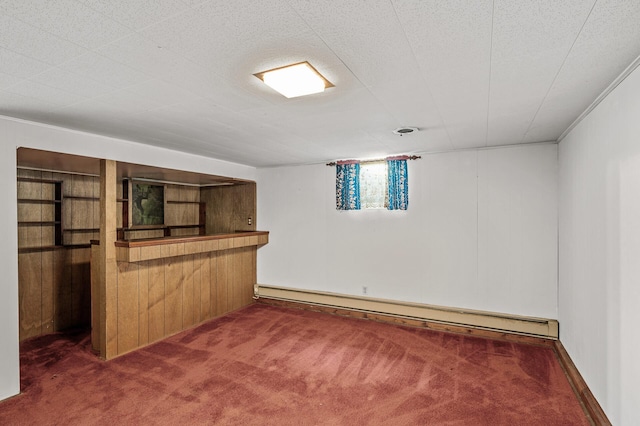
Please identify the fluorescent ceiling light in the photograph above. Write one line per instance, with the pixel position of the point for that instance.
(295, 80)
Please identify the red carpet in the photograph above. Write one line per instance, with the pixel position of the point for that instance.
(265, 365)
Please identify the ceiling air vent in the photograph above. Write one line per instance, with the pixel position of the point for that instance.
(405, 130)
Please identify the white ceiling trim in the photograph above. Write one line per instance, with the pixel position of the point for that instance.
(623, 75)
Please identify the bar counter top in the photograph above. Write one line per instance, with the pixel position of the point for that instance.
(158, 248)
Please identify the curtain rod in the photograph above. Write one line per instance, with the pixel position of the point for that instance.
(395, 157)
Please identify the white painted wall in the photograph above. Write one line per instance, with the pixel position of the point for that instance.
(9, 361)
(599, 255)
(480, 233)
(18, 133)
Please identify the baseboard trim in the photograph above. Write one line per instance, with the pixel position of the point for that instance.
(481, 323)
(591, 405)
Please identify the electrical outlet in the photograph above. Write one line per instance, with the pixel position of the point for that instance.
(249, 221)
(364, 289)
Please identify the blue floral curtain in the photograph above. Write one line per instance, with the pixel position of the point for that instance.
(348, 186)
(398, 198)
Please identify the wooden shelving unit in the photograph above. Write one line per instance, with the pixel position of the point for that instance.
(38, 180)
(37, 201)
(38, 223)
(56, 220)
(77, 246)
(57, 223)
(38, 249)
(57, 213)
(125, 230)
(73, 197)
(166, 228)
(183, 202)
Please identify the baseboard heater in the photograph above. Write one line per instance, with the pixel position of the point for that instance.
(528, 326)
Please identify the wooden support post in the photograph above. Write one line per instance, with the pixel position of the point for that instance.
(106, 286)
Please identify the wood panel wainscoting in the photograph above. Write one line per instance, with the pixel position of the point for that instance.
(166, 285)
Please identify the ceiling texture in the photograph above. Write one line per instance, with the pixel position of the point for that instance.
(179, 73)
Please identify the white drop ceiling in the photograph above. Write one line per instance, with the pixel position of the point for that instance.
(179, 73)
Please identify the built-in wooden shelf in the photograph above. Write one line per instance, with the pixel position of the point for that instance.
(77, 246)
(37, 201)
(184, 202)
(38, 223)
(54, 247)
(36, 180)
(184, 226)
(166, 228)
(37, 249)
(143, 228)
(77, 197)
(56, 201)
(125, 230)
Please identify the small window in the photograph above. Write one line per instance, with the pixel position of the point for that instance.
(372, 184)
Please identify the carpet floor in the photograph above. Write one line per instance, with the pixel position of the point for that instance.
(265, 365)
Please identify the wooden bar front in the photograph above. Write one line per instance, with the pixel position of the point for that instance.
(167, 285)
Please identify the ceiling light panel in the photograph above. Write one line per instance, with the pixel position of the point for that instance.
(295, 80)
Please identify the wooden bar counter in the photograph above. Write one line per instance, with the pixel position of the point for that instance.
(166, 285)
(159, 248)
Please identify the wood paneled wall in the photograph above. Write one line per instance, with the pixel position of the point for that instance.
(182, 208)
(54, 282)
(230, 207)
(53, 290)
(158, 298)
